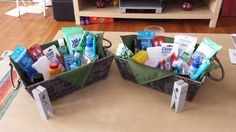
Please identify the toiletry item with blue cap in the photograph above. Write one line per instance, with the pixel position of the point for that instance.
(168, 63)
(195, 65)
(72, 61)
(77, 57)
(21, 57)
(69, 59)
(89, 46)
(180, 66)
(201, 69)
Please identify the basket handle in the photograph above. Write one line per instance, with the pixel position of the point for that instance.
(12, 82)
(221, 68)
(108, 41)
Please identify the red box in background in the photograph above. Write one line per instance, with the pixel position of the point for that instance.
(95, 20)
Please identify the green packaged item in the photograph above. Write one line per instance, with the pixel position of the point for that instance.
(73, 36)
(207, 49)
(83, 42)
(123, 51)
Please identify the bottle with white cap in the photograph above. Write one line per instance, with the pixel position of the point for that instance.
(62, 47)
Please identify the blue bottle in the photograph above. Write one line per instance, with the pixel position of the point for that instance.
(94, 48)
(89, 46)
(168, 63)
(200, 70)
(77, 57)
(195, 65)
(21, 57)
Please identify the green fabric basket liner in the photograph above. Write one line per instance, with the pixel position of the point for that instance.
(77, 76)
(144, 74)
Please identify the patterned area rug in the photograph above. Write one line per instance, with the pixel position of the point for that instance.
(7, 92)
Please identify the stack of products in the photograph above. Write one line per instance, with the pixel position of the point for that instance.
(78, 49)
(182, 57)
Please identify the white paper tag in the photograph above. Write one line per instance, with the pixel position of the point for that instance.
(234, 39)
(185, 42)
(232, 55)
(61, 42)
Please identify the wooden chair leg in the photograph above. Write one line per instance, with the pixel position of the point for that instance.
(44, 8)
(23, 1)
(17, 6)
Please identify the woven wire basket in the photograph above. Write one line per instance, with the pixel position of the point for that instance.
(57, 88)
(164, 85)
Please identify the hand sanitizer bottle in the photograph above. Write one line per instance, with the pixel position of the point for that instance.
(62, 47)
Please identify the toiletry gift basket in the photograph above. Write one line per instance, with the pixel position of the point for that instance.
(70, 81)
(148, 76)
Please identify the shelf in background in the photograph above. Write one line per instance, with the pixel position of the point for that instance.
(202, 9)
(172, 11)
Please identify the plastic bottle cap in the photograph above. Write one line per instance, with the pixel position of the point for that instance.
(77, 55)
(53, 65)
(181, 57)
(61, 42)
(168, 59)
(197, 61)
